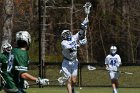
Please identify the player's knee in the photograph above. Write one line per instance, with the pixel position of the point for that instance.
(74, 80)
(69, 81)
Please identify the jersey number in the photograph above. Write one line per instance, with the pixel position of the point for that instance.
(113, 62)
(10, 63)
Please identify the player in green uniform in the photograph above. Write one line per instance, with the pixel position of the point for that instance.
(21, 62)
(6, 65)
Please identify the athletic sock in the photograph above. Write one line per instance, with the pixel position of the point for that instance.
(115, 90)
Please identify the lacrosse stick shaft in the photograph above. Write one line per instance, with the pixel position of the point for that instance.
(3, 79)
(87, 7)
(123, 72)
(59, 80)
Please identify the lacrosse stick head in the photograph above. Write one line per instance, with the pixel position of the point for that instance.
(62, 80)
(91, 67)
(87, 7)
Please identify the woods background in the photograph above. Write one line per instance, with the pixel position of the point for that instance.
(114, 22)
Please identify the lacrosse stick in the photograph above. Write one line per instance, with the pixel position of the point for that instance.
(91, 67)
(87, 7)
(129, 73)
(61, 80)
(122, 72)
(3, 80)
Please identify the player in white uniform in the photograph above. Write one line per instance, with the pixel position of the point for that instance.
(70, 44)
(112, 62)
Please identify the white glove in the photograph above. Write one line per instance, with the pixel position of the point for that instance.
(83, 41)
(42, 81)
(118, 65)
(60, 71)
(107, 68)
(84, 24)
(26, 84)
(77, 45)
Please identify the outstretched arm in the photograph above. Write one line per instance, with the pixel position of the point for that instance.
(83, 28)
(28, 77)
(38, 80)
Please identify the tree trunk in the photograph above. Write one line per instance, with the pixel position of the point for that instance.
(8, 21)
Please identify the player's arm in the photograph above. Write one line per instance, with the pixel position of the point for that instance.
(119, 61)
(83, 28)
(27, 76)
(82, 32)
(106, 63)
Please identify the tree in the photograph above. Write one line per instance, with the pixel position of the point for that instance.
(8, 21)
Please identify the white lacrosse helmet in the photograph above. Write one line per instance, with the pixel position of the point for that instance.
(6, 47)
(66, 35)
(113, 49)
(23, 35)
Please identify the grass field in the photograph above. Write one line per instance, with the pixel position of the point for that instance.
(83, 90)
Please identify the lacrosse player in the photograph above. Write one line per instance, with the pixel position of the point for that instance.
(113, 62)
(5, 66)
(69, 44)
(21, 62)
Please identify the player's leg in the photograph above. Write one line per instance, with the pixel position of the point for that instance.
(66, 69)
(8, 90)
(9, 86)
(74, 74)
(116, 81)
(74, 80)
(113, 81)
(69, 85)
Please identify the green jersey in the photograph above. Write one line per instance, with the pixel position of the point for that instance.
(6, 66)
(20, 65)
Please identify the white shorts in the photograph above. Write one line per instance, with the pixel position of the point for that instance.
(113, 75)
(70, 68)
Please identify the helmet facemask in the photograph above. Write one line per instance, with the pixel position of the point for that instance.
(113, 50)
(6, 47)
(66, 35)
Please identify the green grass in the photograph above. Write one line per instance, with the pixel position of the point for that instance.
(97, 77)
(83, 90)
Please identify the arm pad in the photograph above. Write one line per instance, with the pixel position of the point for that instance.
(84, 24)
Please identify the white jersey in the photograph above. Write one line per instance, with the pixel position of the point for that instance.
(72, 44)
(113, 62)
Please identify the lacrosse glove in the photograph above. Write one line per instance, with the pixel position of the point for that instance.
(107, 68)
(118, 64)
(26, 84)
(43, 82)
(83, 41)
(84, 24)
